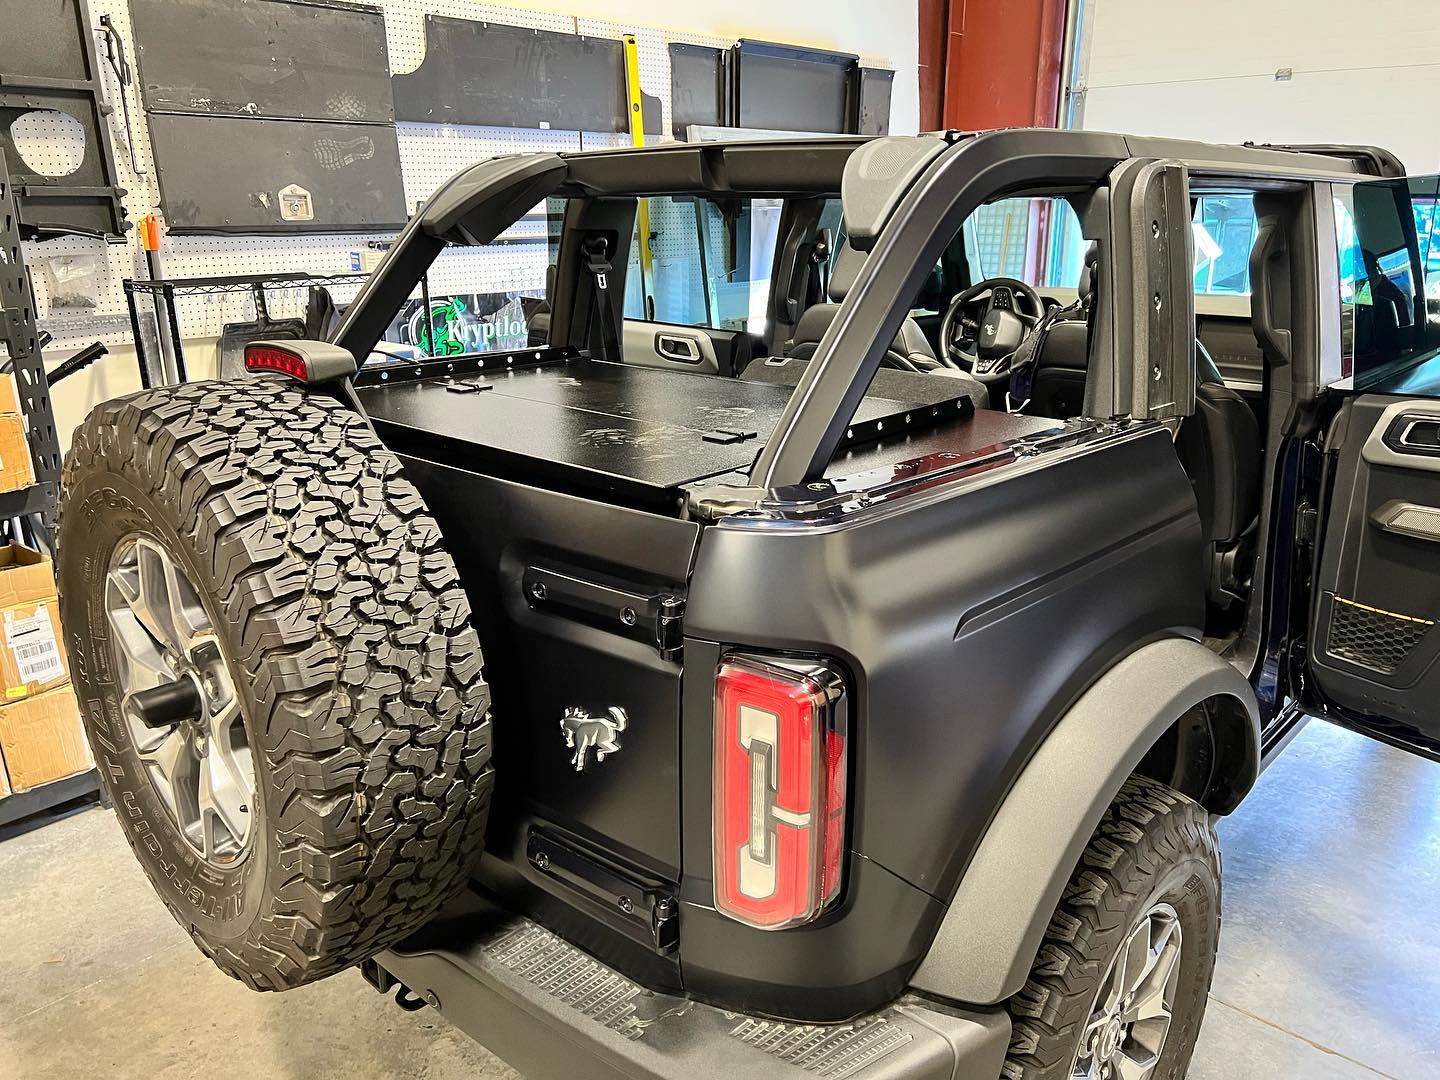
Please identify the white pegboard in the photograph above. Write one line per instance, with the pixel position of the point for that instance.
(429, 154)
(432, 153)
(117, 261)
(49, 142)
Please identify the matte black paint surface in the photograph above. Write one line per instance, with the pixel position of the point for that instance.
(968, 610)
(960, 656)
(542, 664)
(969, 620)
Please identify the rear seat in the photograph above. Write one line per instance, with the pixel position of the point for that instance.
(942, 384)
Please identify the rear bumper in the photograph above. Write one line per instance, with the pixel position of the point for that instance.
(555, 1013)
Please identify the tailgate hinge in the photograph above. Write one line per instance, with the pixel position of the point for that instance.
(669, 625)
(656, 618)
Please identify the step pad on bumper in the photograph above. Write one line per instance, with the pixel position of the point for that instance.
(832, 1051)
(552, 1010)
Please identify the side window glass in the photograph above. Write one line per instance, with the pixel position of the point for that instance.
(709, 264)
(832, 224)
(1224, 228)
(1388, 247)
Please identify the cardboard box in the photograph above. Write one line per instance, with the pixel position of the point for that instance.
(32, 655)
(42, 739)
(16, 470)
(9, 403)
(25, 576)
(4, 778)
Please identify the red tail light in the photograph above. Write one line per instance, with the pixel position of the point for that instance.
(779, 812)
(310, 362)
(269, 358)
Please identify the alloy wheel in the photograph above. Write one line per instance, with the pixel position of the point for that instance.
(179, 701)
(1125, 1034)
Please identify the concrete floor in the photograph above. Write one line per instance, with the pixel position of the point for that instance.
(1329, 960)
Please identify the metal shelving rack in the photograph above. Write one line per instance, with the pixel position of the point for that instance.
(166, 295)
(35, 505)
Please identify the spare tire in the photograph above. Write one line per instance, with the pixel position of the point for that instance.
(278, 675)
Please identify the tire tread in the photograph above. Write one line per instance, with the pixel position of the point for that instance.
(1146, 827)
(349, 621)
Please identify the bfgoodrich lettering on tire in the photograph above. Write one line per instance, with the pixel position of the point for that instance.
(280, 683)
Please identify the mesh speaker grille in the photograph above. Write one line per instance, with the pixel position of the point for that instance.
(1418, 521)
(1376, 639)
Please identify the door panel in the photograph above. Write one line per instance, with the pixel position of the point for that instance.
(1375, 644)
(696, 349)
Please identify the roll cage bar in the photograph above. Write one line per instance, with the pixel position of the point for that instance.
(925, 211)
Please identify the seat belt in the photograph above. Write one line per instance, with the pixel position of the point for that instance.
(597, 261)
(1023, 360)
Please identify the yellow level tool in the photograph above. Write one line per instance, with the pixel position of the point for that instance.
(637, 138)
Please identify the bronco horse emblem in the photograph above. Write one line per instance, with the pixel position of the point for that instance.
(583, 731)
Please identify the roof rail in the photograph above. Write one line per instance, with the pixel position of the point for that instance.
(1374, 160)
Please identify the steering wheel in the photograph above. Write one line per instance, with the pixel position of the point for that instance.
(984, 326)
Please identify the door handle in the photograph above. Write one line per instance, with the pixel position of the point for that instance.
(1415, 434)
(1409, 519)
(1420, 433)
(682, 350)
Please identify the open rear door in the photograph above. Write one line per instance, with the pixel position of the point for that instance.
(1375, 634)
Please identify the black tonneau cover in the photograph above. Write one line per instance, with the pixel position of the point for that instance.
(638, 433)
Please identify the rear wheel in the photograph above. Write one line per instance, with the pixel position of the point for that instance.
(1118, 989)
(279, 679)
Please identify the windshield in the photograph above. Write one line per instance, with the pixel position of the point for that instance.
(1035, 240)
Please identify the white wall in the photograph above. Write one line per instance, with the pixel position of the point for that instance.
(1362, 72)
(885, 30)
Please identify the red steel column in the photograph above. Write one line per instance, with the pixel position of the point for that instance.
(933, 17)
(1002, 62)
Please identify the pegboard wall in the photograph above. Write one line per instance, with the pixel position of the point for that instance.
(429, 154)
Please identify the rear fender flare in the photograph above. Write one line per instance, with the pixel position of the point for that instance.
(992, 931)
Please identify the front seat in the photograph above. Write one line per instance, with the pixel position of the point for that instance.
(909, 351)
(1062, 366)
(1220, 449)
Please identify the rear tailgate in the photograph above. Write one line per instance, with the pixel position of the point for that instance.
(575, 602)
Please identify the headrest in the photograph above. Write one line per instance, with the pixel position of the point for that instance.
(1086, 284)
(844, 271)
(876, 176)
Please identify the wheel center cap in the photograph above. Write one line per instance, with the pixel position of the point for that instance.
(1110, 1038)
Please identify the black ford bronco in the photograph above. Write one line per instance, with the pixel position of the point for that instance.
(889, 560)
